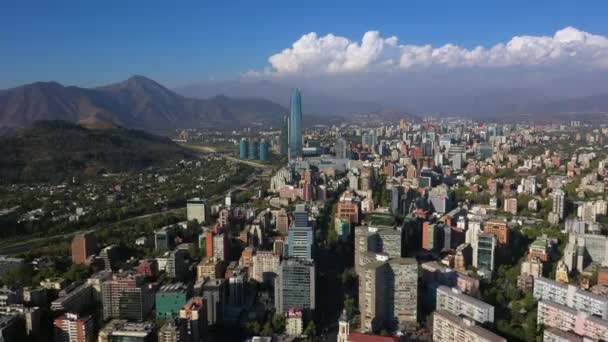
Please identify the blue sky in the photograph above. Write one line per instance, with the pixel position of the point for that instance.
(91, 43)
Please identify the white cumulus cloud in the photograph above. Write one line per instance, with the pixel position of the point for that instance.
(313, 54)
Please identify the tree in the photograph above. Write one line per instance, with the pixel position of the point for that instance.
(267, 330)
(349, 306)
(530, 329)
(18, 276)
(311, 330)
(278, 323)
(332, 237)
(253, 327)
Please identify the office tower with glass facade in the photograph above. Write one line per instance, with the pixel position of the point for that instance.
(284, 135)
(295, 125)
(295, 286)
(342, 148)
(126, 296)
(558, 197)
(214, 295)
(486, 250)
(300, 237)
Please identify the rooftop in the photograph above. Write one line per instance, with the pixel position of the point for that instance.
(477, 330)
(359, 337)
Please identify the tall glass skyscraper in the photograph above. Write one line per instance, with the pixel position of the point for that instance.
(295, 125)
(285, 135)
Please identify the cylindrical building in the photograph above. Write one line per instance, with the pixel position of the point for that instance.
(244, 148)
(264, 147)
(253, 150)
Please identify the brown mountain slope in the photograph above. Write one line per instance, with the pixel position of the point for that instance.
(137, 102)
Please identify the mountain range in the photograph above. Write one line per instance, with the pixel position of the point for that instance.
(145, 104)
(315, 102)
(135, 103)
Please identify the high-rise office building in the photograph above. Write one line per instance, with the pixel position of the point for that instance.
(284, 135)
(295, 286)
(300, 237)
(396, 200)
(83, 246)
(558, 197)
(367, 139)
(73, 328)
(282, 222)
(217, 244)
(342, 148)
(236, 290)
(295, 125)
(164, 239)
(265, 267)
(485, 250)
(177, 267)
(214, 294)
(126, 296)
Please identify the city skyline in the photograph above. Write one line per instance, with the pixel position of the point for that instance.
(311, 171)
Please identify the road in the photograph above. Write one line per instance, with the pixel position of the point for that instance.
(24, 246)
(209, 149)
